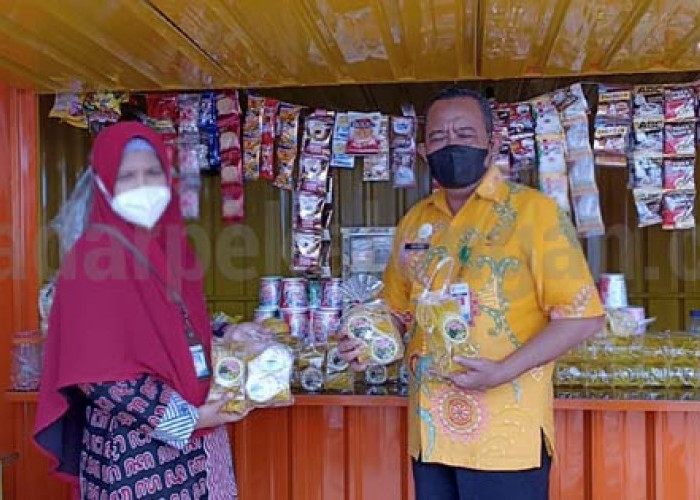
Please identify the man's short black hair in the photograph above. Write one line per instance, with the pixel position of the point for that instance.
(460, 93)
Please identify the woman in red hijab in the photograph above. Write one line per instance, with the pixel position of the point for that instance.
(122, 401)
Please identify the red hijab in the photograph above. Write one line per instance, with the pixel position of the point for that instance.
(111, 319)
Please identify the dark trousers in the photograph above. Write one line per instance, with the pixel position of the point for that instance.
(442, 482)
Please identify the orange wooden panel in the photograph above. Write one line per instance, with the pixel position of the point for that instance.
(568, 479)
(18, 239)
(376, 453)
(32, 469)
(262, 454)
(318, 452)
(618, 455)
(677, 455)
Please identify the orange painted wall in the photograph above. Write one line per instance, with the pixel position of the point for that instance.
(18, 237)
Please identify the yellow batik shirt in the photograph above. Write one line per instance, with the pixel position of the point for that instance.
(521, 259)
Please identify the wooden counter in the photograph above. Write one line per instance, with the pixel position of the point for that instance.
(353, 447)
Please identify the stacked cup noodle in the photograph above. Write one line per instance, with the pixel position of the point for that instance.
(325, 319)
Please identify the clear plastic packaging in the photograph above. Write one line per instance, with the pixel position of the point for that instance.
(73, 217)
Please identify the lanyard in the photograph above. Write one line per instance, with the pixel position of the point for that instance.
(192, 337)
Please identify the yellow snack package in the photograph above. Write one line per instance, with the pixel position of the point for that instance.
(339, 376)
(229, 374)
(368, 319)
(310, 368)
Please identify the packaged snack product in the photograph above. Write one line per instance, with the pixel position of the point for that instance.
(647, 169)
(269, 374)
(318, 130)
(589, 220)
(287, 145)
(339, 376)
(232, 203)
(368, 319)
(520, 119)
(376, 168)
(570, 101)
(188, 119)
(550, 151)
(267, 142)
(310, 366)
(556, 186)
(649, 135)
(577, 138)
(648, 102)
(308, 210)
(679, 174)
(547, 121)
(679, 103)
(610, 144)
(229, 376)
(364, 135)
(677, 210)
(252, 137)
(679, 138)
(341, 134)
(69, 108)
(403, 165)
(306, 250)
(523, 151)
(648, 203)
(581, 172)
(162, 112)
(313, 175)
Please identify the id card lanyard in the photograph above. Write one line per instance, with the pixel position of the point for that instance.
(200, 358)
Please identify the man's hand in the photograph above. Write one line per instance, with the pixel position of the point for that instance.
(247, 332)
(480, 374)
(349, 350)
(210, 414)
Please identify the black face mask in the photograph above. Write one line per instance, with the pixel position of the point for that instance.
(457, 166)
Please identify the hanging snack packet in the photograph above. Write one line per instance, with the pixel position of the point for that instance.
(318, 131)
(252, 137)
(308, 211)
(679, 104)
(313, 175)
(162, 112)
(610, 145)
(376, 168)
(677, 210)
(287, 145)
(647, 170)
(523, 152)
(403, 165)
(365, 133)
(577, 138)
(189, 188)
(339, 376)
(520, 119)
(232, 203)
(310, 366)
(102, 109)
(228, 113)
(341, 135)
(679, 174)
(231, 174)
(648, 203)
(556, 186)
(269, 376)
(267, 147)
(547, 121)
(589, 220)
(679, 139)
(648, 102)
(614, 104)
(403, 133)
(207, 110)
(582, 172)
(649, 135)
(306, 250)
(188, 118)
(229, 376)
(368, 319)
(570, 101)
(69, 108)
(550, 151)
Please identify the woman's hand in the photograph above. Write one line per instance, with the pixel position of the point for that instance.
(210, 414)
(247, 332)
(349, 349)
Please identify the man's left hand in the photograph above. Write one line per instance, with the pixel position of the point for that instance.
(480, 374)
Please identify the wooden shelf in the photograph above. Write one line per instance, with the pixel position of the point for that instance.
(361, 400)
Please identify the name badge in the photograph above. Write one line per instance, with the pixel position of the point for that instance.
(200, 361)
(416, 246)
(462, 293)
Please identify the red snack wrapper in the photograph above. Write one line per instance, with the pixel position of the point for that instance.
(679, 173)
(677, 211)
(679, 139)
(232, 203)
(189, 108)
(162, 110)
(365, 132)
(269, 127)
(679, 104)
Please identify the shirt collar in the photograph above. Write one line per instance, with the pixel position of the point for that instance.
(492, 187)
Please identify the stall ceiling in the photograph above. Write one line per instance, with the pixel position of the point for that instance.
(172, 44)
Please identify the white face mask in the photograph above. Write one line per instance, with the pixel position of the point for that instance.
(142, 206)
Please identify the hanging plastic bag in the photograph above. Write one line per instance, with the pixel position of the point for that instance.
(73, 217)
(368, 319)
(439, 316)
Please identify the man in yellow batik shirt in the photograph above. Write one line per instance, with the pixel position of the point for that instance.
(486, 430)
